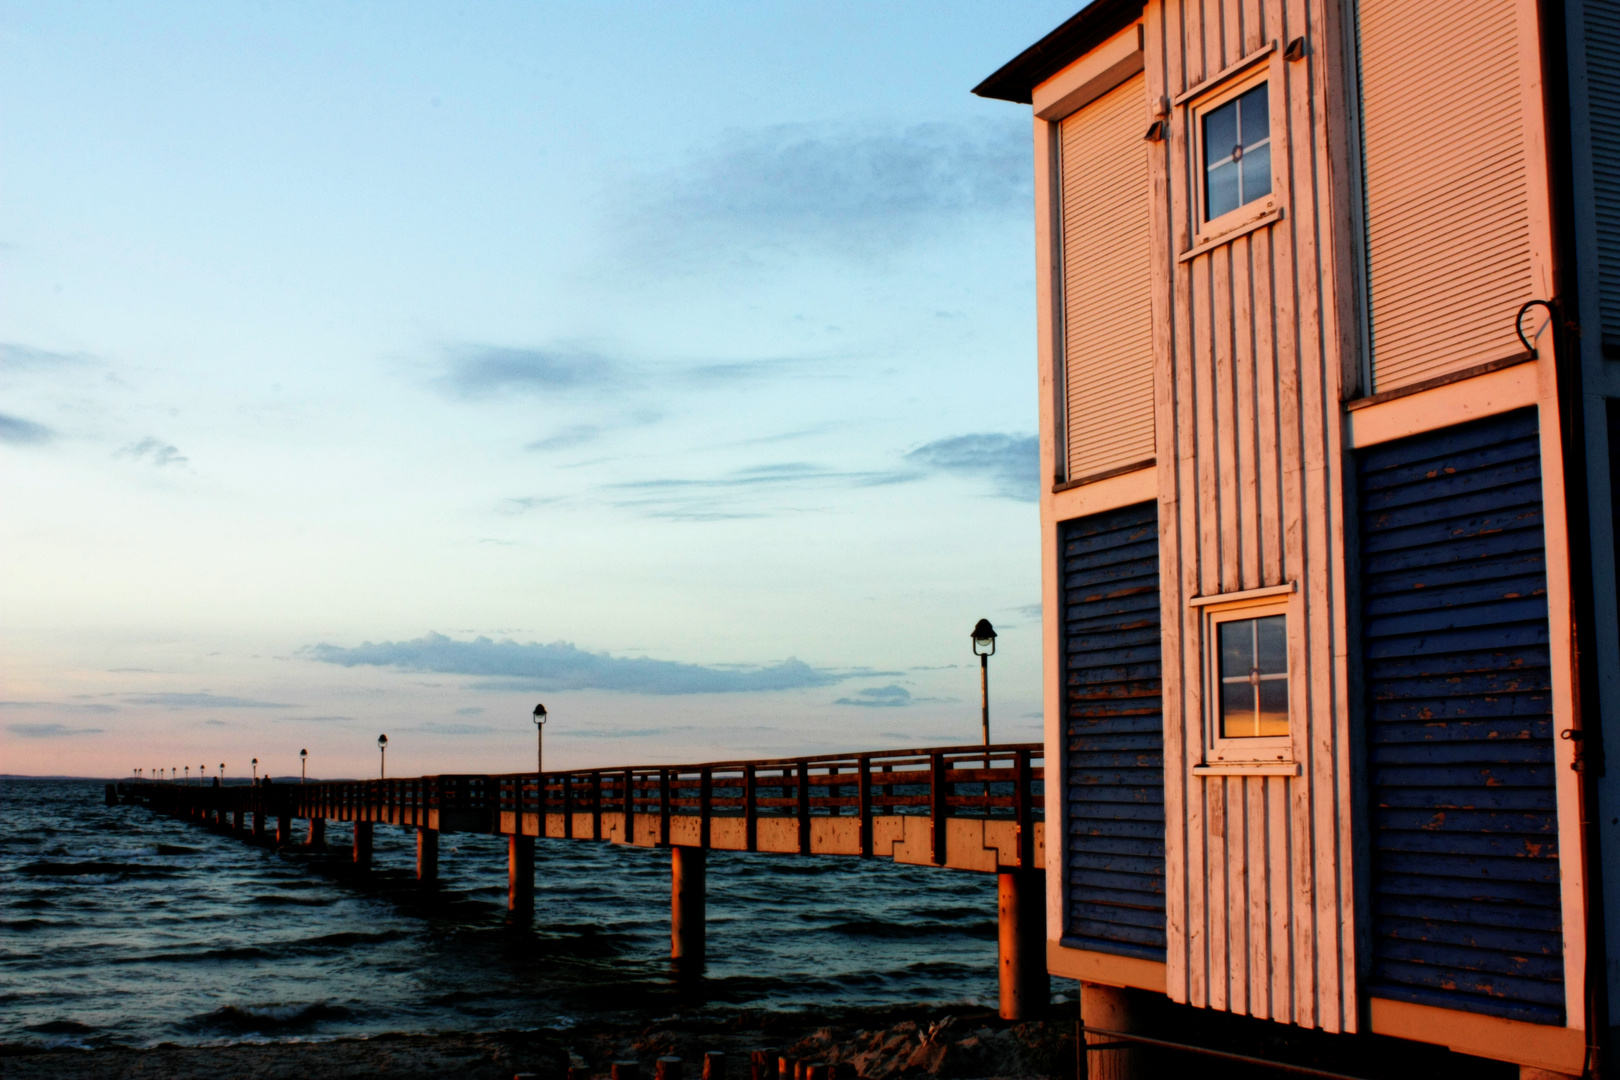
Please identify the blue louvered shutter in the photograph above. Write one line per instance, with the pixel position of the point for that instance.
(1465, 893)
(1114, 727)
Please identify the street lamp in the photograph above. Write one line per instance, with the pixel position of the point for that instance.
(540, 739)
(222, 774)
(382, 748)
(255, 771)
(188, 774)
(303, 758)
(984, 647)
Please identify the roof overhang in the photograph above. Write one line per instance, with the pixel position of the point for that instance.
(1094, 24)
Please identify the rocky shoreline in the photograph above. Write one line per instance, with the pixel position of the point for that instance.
(953, 1044)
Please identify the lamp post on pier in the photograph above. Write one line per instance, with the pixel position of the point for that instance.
(382, 749)
(255, 772)
(188, 774)
(303, 758)
(984, 647)
(222, 774)
(540, 739)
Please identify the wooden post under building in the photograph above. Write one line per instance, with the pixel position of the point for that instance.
(688, 907)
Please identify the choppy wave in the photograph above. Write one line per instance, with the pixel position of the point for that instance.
(118, 925)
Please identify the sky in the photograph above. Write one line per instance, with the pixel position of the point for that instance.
(388, 368)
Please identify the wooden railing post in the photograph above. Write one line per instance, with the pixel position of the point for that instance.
(568, 805)
(705, 794)
(750, 808)
(804, 807)
(629, 806)
(663, 807)
(865, 809)
(938, 807)
(1023, 799)
(596, 806)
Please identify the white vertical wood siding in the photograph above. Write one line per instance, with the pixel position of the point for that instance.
(1447, 203)
(1260, 917)
(1107, 284)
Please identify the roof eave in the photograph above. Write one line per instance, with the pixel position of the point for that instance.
(1099, 20)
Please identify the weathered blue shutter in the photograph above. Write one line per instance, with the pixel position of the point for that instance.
(1459, 721)
(1114, 724)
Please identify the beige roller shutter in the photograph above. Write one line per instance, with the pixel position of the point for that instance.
(1448, 208)
(1107, 283)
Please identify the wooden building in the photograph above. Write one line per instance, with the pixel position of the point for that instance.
(1331, 635)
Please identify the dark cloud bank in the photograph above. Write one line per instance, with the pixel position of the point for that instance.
(563, 666)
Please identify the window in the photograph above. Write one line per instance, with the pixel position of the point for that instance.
(1254, 677)
(1237, 152)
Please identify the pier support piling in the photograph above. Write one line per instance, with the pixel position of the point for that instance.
(688, 903)
(520, 874)
(1021, 918)
(1113, 1009)
(317, 833)
(258, 826)
(362, 843)
(427, 856)
(236, 821)
(284, 828)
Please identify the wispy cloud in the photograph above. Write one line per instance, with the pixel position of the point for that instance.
(202, 701)
(15, 431)
(878, 697)
(18, 357)
(1010, 462)
(433, 727)
(49, 731)
(78, 706)
(482, 370)
(854, 189)
(563, 666)
(738, 493)
(157, 451)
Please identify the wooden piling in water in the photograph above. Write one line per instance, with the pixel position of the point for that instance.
(317, 833)
(1021, 943)
(520, 877)
(668, 1068)
(688, 907)
(427, 856)
(362, 843)
(626, 1070)
(714, 1065)
(762, 1064)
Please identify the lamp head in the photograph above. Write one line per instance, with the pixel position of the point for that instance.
(539, 714)
(984, 639)
(382, 742)
(303, 753)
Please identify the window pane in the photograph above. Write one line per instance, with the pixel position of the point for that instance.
(1237, 711)
(1237, 648)
(1256, 167)
(1256, 122)
(1273, 707)
(1271, 636)
(1220, 133)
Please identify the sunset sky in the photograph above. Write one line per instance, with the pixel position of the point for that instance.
(389, 368)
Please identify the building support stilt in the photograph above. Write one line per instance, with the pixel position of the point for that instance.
(1021, 943)
(1113, 1009)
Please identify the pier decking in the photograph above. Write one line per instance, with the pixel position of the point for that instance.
(970, 808)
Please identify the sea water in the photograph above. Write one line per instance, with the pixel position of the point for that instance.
(118, 925)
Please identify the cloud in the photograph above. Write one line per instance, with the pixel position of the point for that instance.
(569, 437)
(563, 666)
(482, 370)
(312, 719)
(97, 708)
(49, 731)
(162, 453)
(16, 431)
(735, 494)
(215, 723)
(471, 710)
(625, 733)
(202, 701)
(15, 357)
(855, 189)
(433, 727)
(878, 697)
(1010, 462)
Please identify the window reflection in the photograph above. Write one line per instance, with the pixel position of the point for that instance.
(1254, 677)
(1237, 152)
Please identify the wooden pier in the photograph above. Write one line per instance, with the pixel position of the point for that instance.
(959, 807)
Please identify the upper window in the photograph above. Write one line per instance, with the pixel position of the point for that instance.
(1237, 153)
(1254, 677)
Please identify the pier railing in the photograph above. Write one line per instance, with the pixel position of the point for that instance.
(912, 805)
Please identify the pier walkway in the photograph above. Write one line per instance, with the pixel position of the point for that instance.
(970, 808)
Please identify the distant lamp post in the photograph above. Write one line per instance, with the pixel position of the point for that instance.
(540, 739)
(303, 760)
(984, 647)
(222, 774)
(382, 748)
(188, 774)
(255, 771)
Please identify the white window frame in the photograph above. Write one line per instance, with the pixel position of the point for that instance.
(1258, 749)
(1205, 232)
